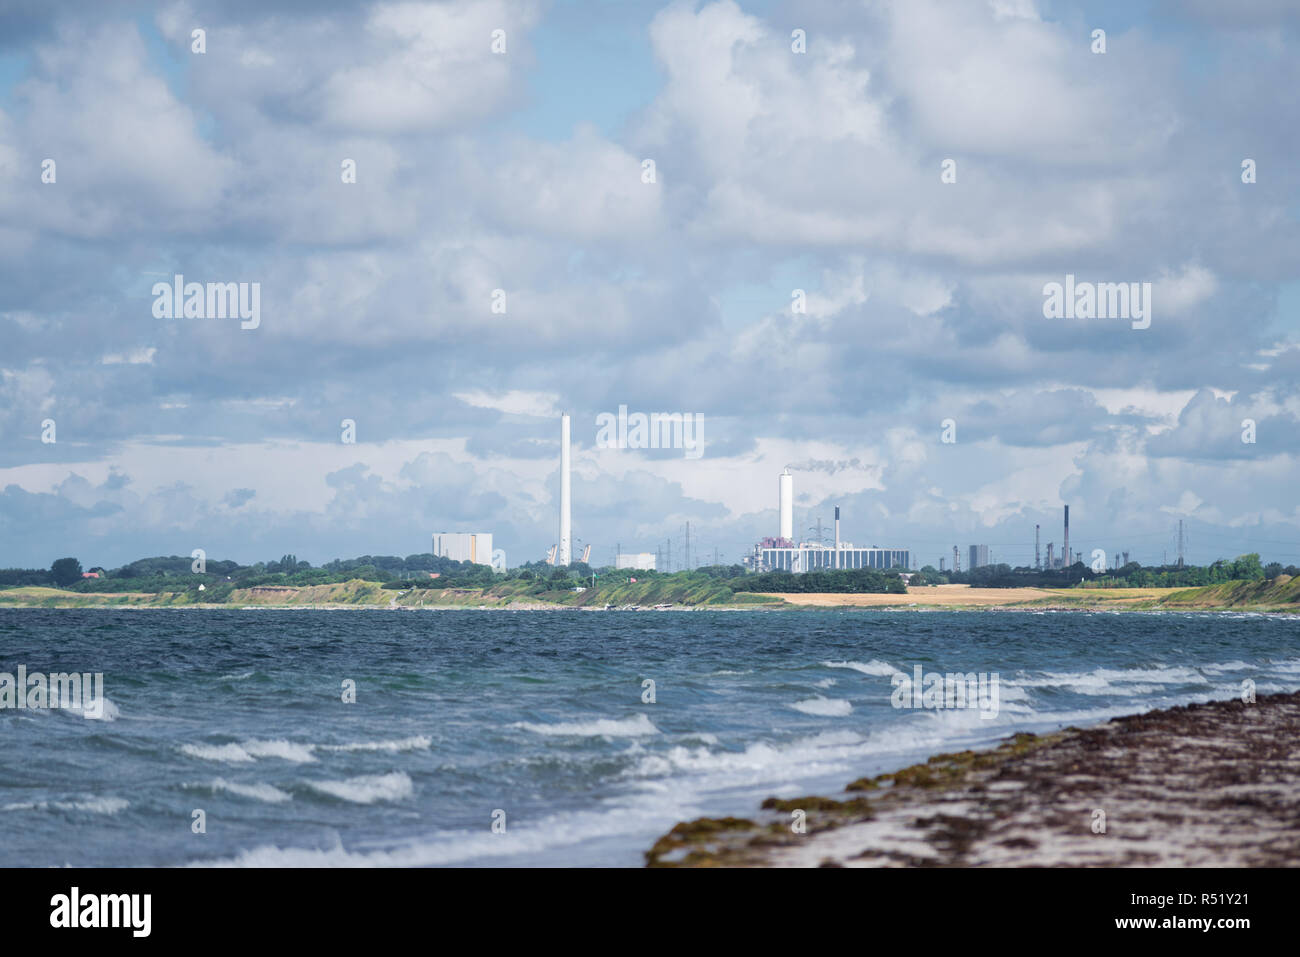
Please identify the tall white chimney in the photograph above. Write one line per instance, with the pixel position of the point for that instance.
(837, 536)
(562, 556)
(787, 505)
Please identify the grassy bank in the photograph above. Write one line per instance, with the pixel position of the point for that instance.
(687, 591)
(663, 590)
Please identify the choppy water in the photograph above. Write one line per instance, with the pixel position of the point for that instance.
(540, 714)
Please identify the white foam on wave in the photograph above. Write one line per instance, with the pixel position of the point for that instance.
(815, 755)
(824, 683)
(1011, 691)
(105, 711)
(643, 813)
(368, 788)
(631, 727)
(260, 792)
(217, 752)
(417, 743)
(840, 755)
(1228, 666)
(242, 676)
(1117, 681)
(247, 751)
(879, 669)
(94, 805)
(825, 707)
(279, 748)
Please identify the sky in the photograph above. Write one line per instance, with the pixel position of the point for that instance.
(503, 256)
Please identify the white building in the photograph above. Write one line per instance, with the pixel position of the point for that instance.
(808, 557)
(642, 560)
(464, 546)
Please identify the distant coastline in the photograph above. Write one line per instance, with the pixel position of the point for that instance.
(1281, 595)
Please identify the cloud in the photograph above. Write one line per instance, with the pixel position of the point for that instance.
(775, 171)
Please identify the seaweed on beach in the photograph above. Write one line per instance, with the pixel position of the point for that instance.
(1193, 785)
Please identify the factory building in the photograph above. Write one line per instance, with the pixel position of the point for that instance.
(643, 560)
(979, 556)
(813, 557)
(782, 553)
(464, 546)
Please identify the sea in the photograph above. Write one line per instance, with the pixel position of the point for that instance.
(372, 738)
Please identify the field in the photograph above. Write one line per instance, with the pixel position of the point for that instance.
(964, 596)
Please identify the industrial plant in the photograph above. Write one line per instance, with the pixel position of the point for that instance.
(980, 555)
(776, 553)
(473, 547)
(1063, 559)
(782, 553)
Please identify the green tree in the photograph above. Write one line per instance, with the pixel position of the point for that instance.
(1247, 567)
(65, 571)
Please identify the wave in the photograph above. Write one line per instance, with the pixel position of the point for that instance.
(1122, 681)
(1228, 666)
(94, 805)
(216, 752)
(601, 727)
(260, 792)
(417, 743)
(826, 707)
(107, 710)
(279, 748)
(879, 669)
(645, 814)
(251, 750)
(369, 788)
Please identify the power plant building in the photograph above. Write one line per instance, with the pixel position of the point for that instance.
(782, 553)
(776, 555)
(642, 560)
(473, 547)
(979, 556)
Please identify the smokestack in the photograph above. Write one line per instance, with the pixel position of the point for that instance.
(1037, 562)
(787, 504)
(837, 536)
(1065, 548)
(562, 558)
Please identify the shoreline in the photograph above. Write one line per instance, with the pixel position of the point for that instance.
(1261, 611)
(1280, 597)
(1200, 785)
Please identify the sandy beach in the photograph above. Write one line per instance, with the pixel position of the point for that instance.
(950, 596)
